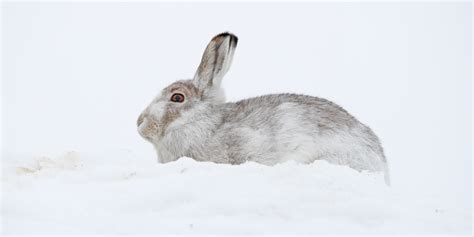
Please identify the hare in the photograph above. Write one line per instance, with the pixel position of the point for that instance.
(191, 118)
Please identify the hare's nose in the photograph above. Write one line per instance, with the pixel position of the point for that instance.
(140, 120)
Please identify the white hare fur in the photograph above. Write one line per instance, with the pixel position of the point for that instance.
(268, 129)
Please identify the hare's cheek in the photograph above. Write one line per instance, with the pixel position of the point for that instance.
(156, 110)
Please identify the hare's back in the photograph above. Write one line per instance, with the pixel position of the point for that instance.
(307, 111)
(274, 128)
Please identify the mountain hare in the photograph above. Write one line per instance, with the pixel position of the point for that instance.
(190, 118)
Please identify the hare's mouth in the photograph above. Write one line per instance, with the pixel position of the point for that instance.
(147, 128)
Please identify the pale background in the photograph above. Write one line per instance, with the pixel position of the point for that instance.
(76, 76)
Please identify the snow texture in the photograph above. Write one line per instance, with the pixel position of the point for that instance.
(119, 193)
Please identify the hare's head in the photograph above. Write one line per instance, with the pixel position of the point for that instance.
(186, 95)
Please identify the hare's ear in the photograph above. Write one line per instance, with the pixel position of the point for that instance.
(215, 61)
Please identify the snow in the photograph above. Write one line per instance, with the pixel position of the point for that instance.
(121, 193)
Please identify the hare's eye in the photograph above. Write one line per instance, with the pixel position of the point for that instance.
(177, 97)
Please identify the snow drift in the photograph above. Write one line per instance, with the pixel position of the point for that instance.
(120, 193)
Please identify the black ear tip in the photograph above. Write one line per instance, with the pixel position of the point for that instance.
(225, 34)
(233, 38)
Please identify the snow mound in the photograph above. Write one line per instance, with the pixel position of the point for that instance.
(121, 193)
